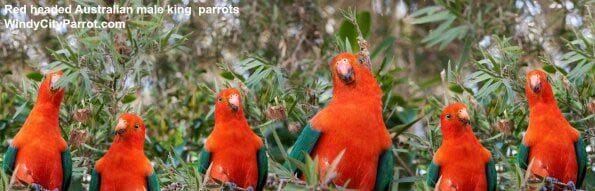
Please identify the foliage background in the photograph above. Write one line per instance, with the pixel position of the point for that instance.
(426, 54)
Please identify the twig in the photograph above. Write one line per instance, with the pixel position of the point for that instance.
(444, 85)
(364, 46)
(405, 166)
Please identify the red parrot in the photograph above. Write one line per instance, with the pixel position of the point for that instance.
(235, 153)
(461, 162)
(38, 154)
(352, 122)
(125, 166)
(551, 146)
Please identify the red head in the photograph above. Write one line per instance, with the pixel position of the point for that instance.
(228, 105)
(352, 78)
(130, 130)
(49, 92)
(538, 88)
(454, 118)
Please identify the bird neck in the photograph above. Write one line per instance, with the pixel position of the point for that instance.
(543, 103)
(46, 113)
(128, 143)
(453, 134)
(537, 111)
(233, 125)
(47, 108)
(231, 118)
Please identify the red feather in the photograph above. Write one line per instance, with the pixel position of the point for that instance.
(125, 166)
(232, 144)
(353, 122)
(462, 159)
(39, 141)
(549, 136)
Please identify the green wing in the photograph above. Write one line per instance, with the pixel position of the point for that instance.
(433, 174)
(153, 182)
(204, 160)
(491, 175)
(581, 157)
(95, 181)
(522, 158)
(263, 168)
(66, 169)
(305, 143)
(9, 160)
(385, 171)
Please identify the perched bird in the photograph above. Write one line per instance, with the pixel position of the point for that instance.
(461, 162)
(351, 123)
(38, 155)
(551, 147)
(125, 166)
(235, 153)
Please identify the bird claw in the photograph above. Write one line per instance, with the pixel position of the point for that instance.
(550, 183)
(229, 186)
(37, 187)
(571, 186)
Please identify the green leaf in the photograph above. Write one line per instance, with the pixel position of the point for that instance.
(442, 15)
(128, 98)
(349, 31)
(384, 45)
(141, 24)
(456, 88)
(35, 76)
(425, 10)
(364, 20)
(227, 75)
(310, 170)
(549, 69)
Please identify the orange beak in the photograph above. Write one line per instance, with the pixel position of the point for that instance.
(121, 127)
(464, 116)
(535, 83)
(54, 82)
(345, 71)
(234, 102)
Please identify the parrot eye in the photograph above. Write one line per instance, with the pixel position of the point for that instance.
(136, 126)
(220, 99)
(447, 116)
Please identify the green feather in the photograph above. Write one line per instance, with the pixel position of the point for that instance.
(522, 158)
(204, 160)
(305, 143)
(385, 171)
(153, 182)
(433, 174)
(9, 159)
(582, 161)
(95, 181)
(66, 168)
(491, 175)
(263, 168)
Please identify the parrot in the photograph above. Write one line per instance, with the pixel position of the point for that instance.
(551, 147)
(125, 166)
(351, 124)
(461, 162)
(234, 153)
(38, 155)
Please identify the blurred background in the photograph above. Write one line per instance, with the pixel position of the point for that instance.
(425, 54)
